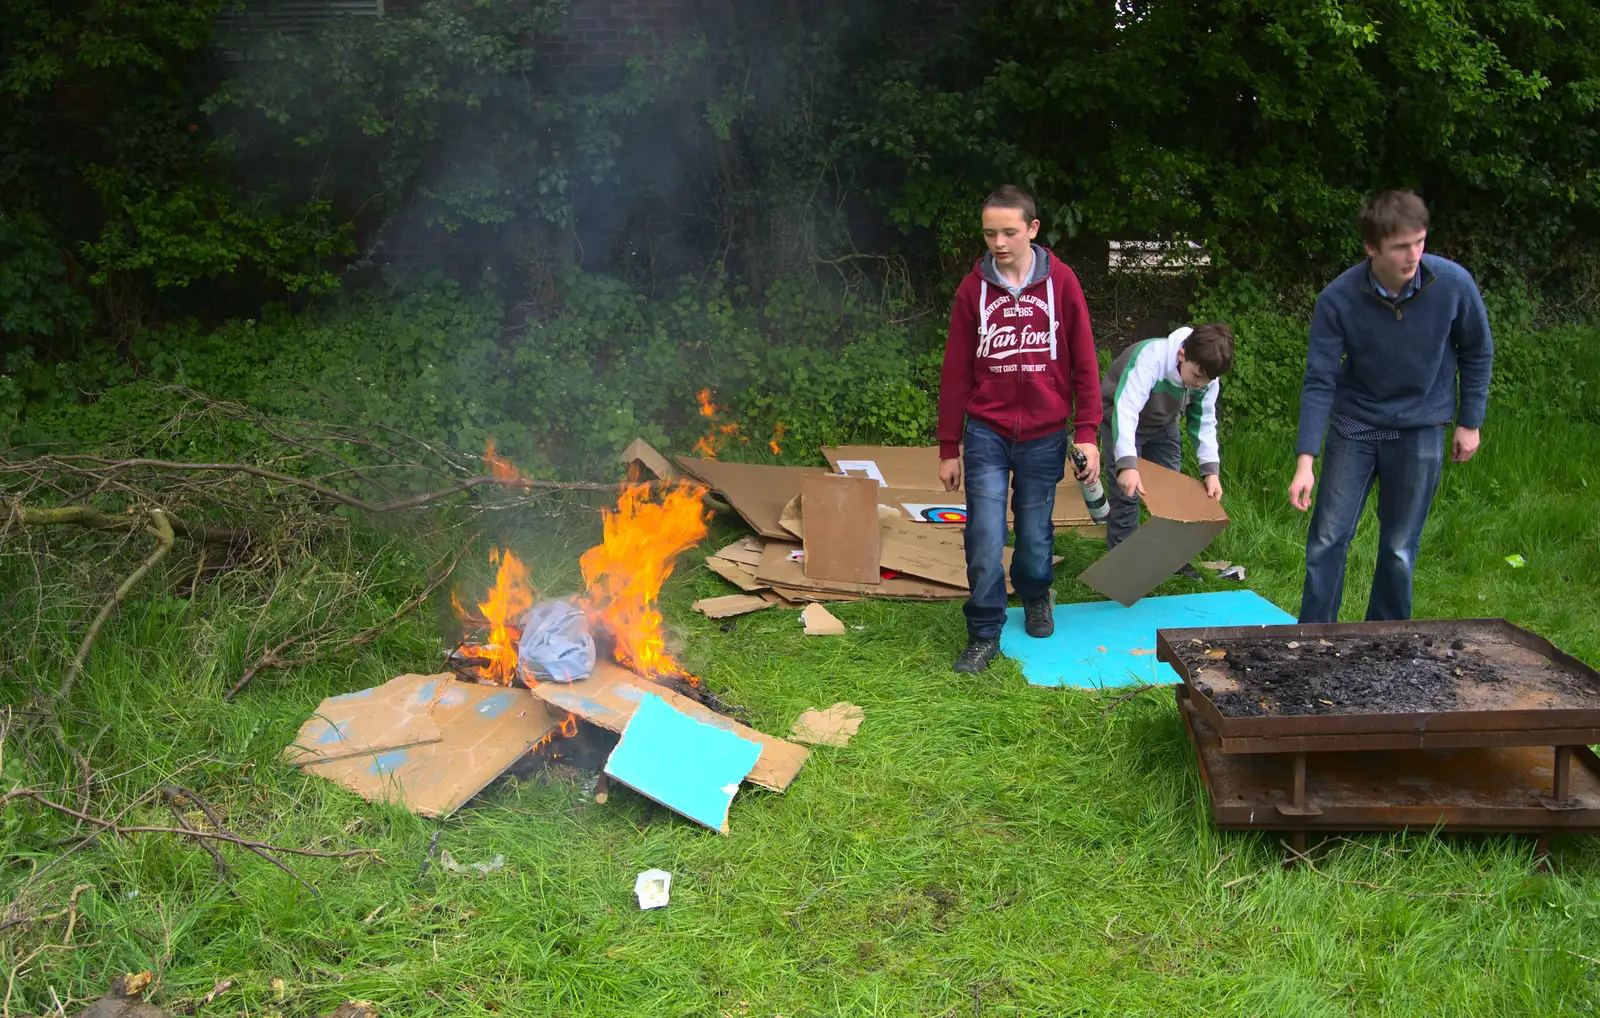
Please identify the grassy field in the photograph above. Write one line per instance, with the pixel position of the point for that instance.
(982, 848)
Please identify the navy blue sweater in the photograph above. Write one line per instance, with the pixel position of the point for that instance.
(1394, 365)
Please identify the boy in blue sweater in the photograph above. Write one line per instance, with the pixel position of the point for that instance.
(1389, 339)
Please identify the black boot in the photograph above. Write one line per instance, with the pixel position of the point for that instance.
(978, 655)
(1039, 616)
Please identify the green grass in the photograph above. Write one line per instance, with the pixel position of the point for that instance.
(982, 847)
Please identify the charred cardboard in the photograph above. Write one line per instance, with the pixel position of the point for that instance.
(395, 715)
(641, 452)
(911, 474)
(841, 528)
(757, 492)
(610, 695)
(483, 730)
(1183, 521)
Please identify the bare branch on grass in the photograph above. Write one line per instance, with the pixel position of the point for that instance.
(274, 659)
(111, 826)
(164, 539)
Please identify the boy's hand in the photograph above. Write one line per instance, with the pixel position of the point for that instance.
(1465, 444)
(1128, 480)
(1091, 456)
(1300, 488)
(950, 474)
(1213, 486)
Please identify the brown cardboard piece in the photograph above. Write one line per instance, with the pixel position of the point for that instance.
(395, 715)
(779, 570)
(739, 575)
(610, 694)
(1183, 521)
(757, 492)
(841, 528)
(641, 452)
(730, 605)
(911, 474)
(831, 727)
(818, 621)
(483, 729)
(745, 551)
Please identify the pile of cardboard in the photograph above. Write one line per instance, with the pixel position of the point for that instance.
(879, 524)
(431, 742)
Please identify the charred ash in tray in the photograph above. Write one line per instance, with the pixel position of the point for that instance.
(1393, 675)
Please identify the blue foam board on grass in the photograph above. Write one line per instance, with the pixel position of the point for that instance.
(1102, 645)
(688, 766)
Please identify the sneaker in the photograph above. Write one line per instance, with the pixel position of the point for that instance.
(1189, 572)
(978, 655)
(1039, 617)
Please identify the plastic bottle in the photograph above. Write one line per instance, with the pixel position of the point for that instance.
(1094, 493)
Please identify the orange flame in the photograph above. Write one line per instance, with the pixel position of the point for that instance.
(777, 436)
(509, 598)
(712, 442)
(500, 469)
(625, 571)
(623, 575)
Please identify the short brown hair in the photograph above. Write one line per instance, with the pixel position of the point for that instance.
(1010, 196)
(1390, 212)
(1210, 348)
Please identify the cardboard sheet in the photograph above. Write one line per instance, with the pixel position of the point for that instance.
(395, 715)
(746, 551)
(731, 605)
(609, 697)
(911, 474)
(756, 492)
(832, 727)
(1183, 521)
(650, 462)
(780, 570)
(690, 767)
(841, 528)
(1102, 645)
(483, 730)
(740, 576)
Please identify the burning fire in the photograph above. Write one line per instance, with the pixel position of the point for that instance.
(625, 571)
(718, 436)
(500, 469)
(509, 599)
(623, 575)
(721, 432)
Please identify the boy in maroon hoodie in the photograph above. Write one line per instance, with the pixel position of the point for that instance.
(1018, 363)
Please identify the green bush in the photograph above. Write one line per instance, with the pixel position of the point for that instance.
(562, 396)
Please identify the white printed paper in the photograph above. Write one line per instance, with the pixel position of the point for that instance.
(863, 468)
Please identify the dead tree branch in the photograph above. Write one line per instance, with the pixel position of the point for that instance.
(92, 519)
(107, 468)
(112, 827)
(273, 658)
(164, 540)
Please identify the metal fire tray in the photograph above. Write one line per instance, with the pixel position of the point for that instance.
(1541, 696)
(1484, 789)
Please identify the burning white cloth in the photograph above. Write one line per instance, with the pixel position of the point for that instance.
(556, 644)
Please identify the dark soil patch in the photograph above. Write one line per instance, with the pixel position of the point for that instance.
(1353, 675)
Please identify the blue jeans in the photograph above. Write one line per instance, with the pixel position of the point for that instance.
(1406, 470)
(994, 465)
(1163, 445)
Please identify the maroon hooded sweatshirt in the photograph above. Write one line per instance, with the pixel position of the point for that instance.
(1023, 363)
